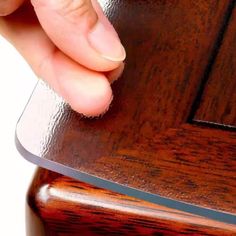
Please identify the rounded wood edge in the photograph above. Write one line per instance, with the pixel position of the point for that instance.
(56, 203)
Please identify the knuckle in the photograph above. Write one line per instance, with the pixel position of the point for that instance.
(75, 9)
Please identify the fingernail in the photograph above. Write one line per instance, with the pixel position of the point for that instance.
(106, 43)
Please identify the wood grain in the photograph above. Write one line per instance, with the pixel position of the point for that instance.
(164, 164)
(143, 143)
(68, 207)
(169, 44)
(218, 103)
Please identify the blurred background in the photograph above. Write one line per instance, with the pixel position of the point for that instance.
(16, 173)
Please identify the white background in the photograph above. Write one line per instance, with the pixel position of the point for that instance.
(17, 83)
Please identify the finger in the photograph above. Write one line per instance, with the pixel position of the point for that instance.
(9, 6)
(87, 92)
(80, 29)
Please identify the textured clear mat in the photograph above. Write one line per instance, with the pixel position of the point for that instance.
(52, 136)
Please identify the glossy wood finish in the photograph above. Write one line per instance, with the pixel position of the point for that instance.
(169, 44)
(218, 103)
(143, 142)
(64, 206)
(146, 145)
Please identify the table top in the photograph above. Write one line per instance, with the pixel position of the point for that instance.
(169, 137)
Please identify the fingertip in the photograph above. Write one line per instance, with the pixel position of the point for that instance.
(91, 100)
(86, 91)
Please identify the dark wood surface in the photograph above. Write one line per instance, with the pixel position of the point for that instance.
(58, 205)
(143, 142)
(218, 103)
(146, 145)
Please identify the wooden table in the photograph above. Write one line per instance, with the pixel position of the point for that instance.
(162, 160)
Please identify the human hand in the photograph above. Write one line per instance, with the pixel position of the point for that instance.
(68, 43)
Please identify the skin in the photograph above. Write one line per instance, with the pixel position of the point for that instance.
(68, 43)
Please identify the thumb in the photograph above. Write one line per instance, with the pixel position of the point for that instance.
(80, 29)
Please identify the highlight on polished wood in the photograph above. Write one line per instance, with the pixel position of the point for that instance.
(59, 205)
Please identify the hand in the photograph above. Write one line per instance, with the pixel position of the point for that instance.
(68, 43)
